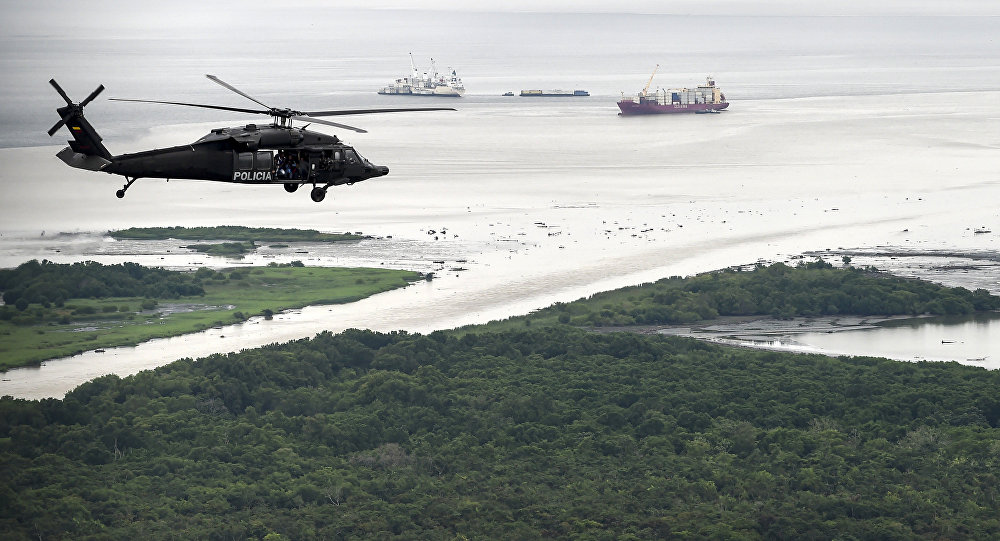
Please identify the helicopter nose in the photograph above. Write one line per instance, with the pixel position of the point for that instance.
(382, 170)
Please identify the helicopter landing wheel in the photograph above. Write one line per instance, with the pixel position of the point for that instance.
(317, 194)
(121, 193)
(290, 187)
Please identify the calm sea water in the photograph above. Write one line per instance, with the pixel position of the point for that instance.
(969, 340)
(844, 133)
(964, 339)
(339, 57)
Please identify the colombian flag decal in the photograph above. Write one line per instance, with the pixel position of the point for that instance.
(75, 128)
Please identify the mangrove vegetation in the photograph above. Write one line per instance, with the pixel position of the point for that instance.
(54, 310)
(538, 433)
(778, 290)
(525, 429)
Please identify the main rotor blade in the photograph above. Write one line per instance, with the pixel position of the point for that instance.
(238, 91)
(327, 123)
(219, 107)
(60, 91)
(371, 111)
(92, 95)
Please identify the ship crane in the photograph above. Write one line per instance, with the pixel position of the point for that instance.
(413, 68)
(645, 89)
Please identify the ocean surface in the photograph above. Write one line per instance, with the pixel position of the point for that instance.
(846, 135)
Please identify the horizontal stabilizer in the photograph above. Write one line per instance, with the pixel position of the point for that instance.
(82, 161)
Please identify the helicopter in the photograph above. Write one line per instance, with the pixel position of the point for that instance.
(277, 153)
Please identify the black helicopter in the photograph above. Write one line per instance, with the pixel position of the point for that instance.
(273, 154)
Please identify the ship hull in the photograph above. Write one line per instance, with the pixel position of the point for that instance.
(630, 107)
(448, 91)
(554, 93)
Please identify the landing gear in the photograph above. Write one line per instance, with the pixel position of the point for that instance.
(318, 194)
(290, 187)
(121, 193)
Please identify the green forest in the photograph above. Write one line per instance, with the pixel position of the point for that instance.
(552, 432)
(809, 289)
(46, 282)
(529, 428)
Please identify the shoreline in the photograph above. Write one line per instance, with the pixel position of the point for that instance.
(765, 332)
(769, 334)
(760, 325)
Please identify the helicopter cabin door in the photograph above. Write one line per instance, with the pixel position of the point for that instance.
(253, 167)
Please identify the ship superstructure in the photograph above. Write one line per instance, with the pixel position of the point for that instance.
(427, 83)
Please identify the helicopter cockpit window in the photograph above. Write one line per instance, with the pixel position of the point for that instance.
(352, 157)
(263, 161)
(244, 161)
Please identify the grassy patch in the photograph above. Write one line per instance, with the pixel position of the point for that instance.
(232, 233)
(224, 249)
(36, 334)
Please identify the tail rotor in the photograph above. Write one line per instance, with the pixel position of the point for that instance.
(71, 109)
(85, 147)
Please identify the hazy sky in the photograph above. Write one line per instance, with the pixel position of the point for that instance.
(195, 11)
(704, 7)
(69, 19)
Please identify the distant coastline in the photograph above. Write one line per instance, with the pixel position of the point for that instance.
(232, 233)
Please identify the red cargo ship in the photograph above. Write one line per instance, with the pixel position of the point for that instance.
(703, 99)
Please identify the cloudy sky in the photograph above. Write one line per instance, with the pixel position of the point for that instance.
(724, 7)
(59, 17)
(193, 10)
